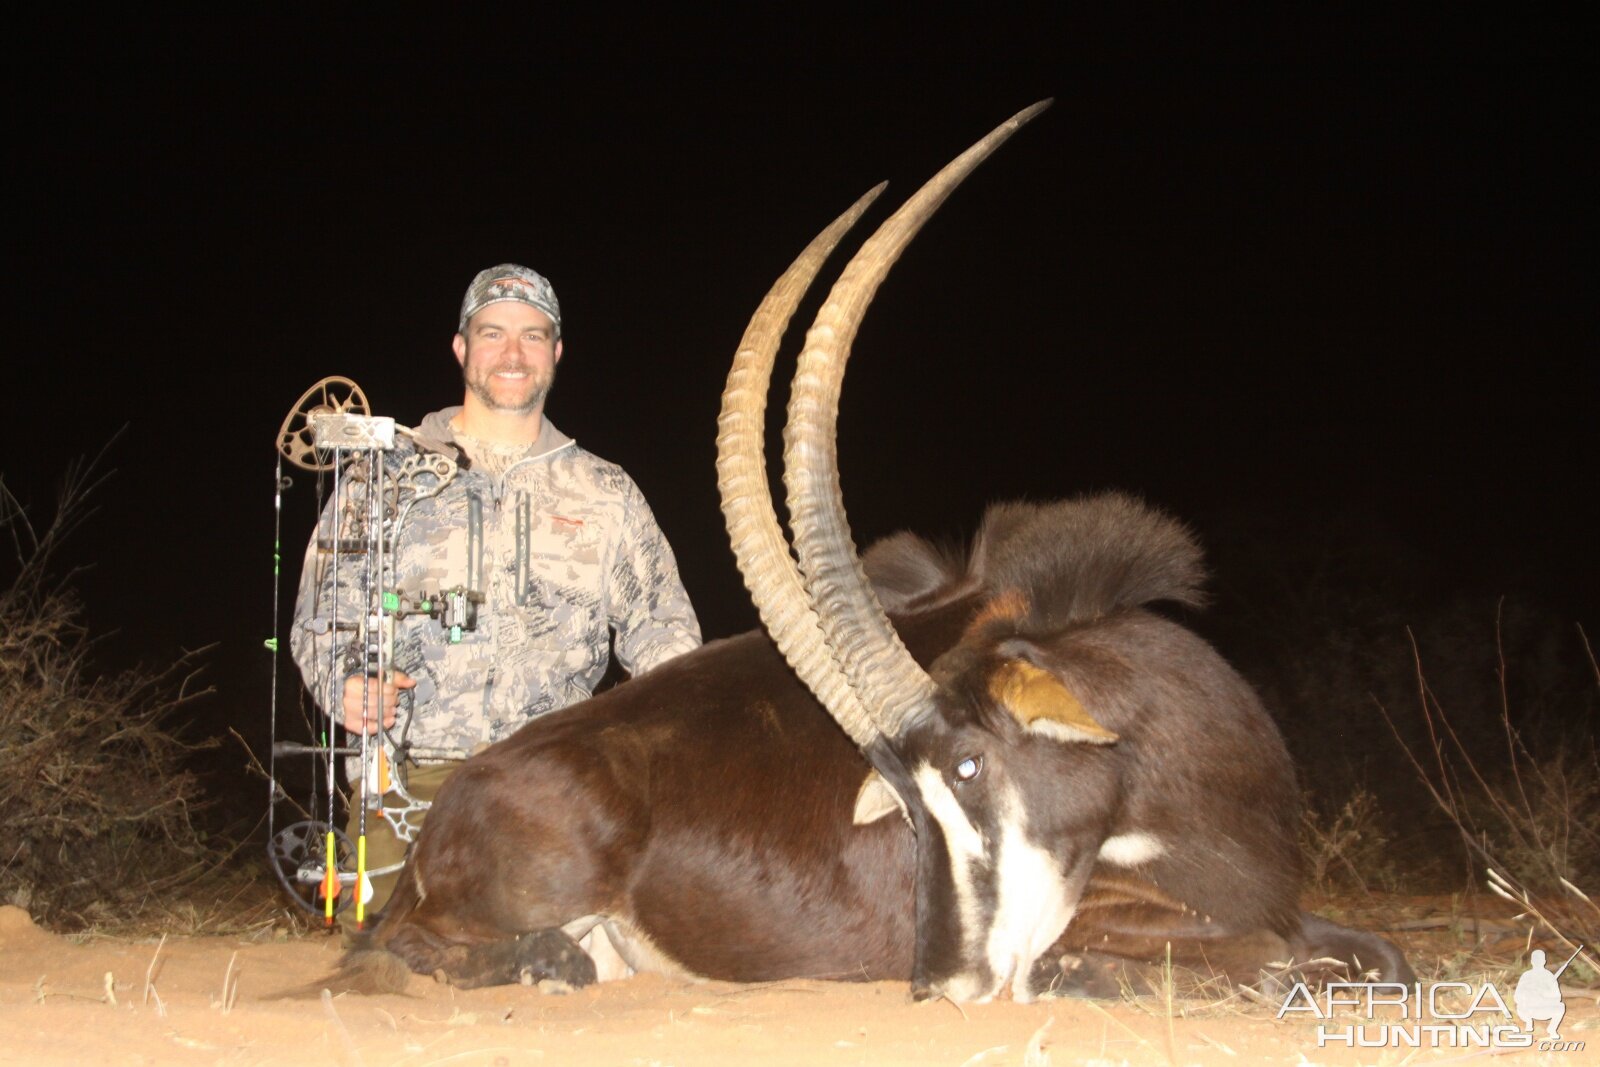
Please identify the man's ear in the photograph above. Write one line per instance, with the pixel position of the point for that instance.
(459, 347)
(558, 350)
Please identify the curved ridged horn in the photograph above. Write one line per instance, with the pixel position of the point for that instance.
(863, 641)
(757, 539)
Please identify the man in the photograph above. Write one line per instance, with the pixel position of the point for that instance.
(540, 549)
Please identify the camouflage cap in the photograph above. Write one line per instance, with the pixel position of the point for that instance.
(510, 281)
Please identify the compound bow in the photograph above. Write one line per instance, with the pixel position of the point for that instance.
(331, 431)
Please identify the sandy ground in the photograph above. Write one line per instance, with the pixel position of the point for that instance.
(211, 1000)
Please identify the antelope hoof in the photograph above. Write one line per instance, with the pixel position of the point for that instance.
(552, 961)
(1086, 977)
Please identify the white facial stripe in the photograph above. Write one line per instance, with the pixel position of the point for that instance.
(959, 833)
(1033, 907)
(962, 840)
(1130, 850)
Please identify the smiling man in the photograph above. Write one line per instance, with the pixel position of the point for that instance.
(544, 550)
(508, 345)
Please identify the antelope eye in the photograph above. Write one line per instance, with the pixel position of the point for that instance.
(969, 768)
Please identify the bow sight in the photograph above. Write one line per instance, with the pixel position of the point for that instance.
(366, 487)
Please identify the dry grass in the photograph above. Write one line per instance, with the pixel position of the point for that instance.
(1529, 821)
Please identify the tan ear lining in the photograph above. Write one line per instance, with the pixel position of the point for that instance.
(877, 798)
(1037, 699)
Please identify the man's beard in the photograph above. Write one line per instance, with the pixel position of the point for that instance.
(537, 388)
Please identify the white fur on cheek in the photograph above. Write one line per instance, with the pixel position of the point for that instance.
(1130, 850)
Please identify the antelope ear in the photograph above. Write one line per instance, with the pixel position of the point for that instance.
(877, 798)
(1037, 699)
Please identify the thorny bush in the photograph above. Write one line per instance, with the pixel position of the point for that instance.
(96, 807)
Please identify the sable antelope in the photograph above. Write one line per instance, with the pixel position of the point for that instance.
(1035, 774)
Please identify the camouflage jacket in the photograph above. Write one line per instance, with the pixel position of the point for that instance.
(567, 551)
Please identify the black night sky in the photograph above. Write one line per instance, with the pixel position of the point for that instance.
(1305, 278)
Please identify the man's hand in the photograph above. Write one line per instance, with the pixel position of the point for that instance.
(385, 695)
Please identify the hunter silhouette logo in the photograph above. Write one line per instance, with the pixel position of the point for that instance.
(1538, 994)
(1438, 1014)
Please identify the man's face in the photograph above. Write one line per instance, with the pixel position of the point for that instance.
(508, 357)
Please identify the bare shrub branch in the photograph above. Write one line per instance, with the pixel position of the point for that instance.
(96, 806)
(1532, 824)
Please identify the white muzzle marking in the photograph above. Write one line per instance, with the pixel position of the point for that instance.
(1032, 908)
